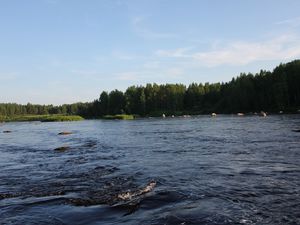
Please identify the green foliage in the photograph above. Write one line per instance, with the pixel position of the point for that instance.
(116, 102)
(61, 118)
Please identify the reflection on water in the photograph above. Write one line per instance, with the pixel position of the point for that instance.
(198, 170)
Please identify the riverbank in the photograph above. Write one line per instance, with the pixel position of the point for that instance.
(62, 118)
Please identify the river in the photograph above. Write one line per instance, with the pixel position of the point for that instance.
(204, 170)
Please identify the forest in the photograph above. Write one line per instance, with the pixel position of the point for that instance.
(274, 91)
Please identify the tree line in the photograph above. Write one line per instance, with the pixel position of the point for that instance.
(274, 91)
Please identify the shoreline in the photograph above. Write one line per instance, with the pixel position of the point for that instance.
(72, 118)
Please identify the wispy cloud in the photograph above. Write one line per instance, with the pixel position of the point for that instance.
(179, 52)
(240, 52)
(144, 32)
(293, 22)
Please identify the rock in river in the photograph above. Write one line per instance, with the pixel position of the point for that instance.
(64, 133)
(7, 131)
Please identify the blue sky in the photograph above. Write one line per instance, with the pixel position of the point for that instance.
(65, 51)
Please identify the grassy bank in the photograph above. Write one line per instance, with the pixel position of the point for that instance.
(42, 118)
(61, 118)
(119, 117)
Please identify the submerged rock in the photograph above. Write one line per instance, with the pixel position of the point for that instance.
(7, 131)
(132, 194)
(296, 130)
(90, 144)
(7, 195)
(65, 133)
(62, 149)
(111, 194)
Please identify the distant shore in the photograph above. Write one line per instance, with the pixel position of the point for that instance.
(276, 92)
(66, 118)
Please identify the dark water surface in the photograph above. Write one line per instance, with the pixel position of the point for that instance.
(223, 170)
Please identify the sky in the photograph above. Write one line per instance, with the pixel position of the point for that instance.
(66, 51)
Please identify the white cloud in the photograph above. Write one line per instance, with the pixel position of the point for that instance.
(240, 52)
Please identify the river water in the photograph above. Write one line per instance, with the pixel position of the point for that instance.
(222, 170)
